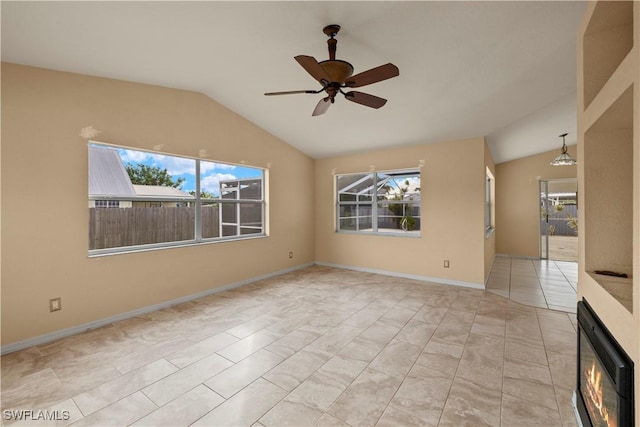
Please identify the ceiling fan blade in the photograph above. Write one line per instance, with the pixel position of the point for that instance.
(373, 75)
(365, 99)
(322, 107)
(290, 92)
(312, 67)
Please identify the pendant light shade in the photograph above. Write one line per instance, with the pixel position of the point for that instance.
(564, 159)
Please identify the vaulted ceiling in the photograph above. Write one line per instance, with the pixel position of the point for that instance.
(505, 70)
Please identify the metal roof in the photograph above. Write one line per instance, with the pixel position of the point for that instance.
(161, 192)
(107, 175)
(109, 179)
(386, 184)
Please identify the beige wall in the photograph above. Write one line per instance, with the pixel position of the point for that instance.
(452, 213)
(44, 195)
(609, 175)
(518, 201)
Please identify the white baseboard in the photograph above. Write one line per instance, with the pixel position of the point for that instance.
(517, 256)
(52, 336)
(406, 276)
(56, 335)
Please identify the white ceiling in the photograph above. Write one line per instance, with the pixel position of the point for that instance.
(505, 70)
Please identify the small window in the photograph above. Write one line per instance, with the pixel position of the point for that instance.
(169, 200)
(379, 203)
(489, 203)
(107, 203)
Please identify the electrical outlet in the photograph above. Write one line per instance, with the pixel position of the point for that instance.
(446, 263)
(291, 254)
(55, 304)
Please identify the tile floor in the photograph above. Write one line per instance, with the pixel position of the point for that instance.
(538, 283)
(318, 346)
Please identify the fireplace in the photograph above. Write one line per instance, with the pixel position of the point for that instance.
(604, 389)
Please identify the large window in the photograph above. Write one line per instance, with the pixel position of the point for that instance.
(379, 202)
(159, 200)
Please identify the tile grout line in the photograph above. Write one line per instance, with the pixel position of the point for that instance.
(336, 354)
(544, 295)
(477, 310)
(546, 354)
(568, 282)
(412, 365)
(567, 279)
(510, 265)
(456, 373)
(504, 358)
(369, 363)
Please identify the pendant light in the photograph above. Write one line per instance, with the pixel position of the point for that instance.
(564, 159)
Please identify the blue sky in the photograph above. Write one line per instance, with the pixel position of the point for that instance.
(180, 167)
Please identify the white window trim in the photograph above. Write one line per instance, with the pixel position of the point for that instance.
(373, 204)
(198, 201)
(490, 204)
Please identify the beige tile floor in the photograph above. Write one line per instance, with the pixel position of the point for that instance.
(319, 346)
(538, 283)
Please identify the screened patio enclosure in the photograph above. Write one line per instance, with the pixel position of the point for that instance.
(379, 202)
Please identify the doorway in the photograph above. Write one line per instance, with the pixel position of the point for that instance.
(559, 219)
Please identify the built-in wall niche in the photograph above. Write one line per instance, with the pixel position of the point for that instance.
(607, 41)
(608, 199)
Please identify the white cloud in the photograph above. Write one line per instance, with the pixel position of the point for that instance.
(411, 184)
(211, 183)
(211, 166)
(225, 166)
(206, 167)
(212, 173)
(130, 156)
(174, 165)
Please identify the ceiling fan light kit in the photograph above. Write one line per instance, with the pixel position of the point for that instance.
(335, 75)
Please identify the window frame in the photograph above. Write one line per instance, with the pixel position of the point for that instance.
(237, 203)
(198, 202)
(373, 204)
(109, 204)
(489, 202)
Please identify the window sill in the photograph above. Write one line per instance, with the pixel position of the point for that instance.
(408, 234)
(97, 253)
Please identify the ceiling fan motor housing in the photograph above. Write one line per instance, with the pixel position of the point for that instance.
(339, 71)
(335, 74)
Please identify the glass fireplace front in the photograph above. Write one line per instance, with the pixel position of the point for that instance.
(604, 395)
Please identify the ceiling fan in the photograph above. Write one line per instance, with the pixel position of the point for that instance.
(335, 75)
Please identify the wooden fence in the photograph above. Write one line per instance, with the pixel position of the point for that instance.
(110, 228)
(560, 223)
